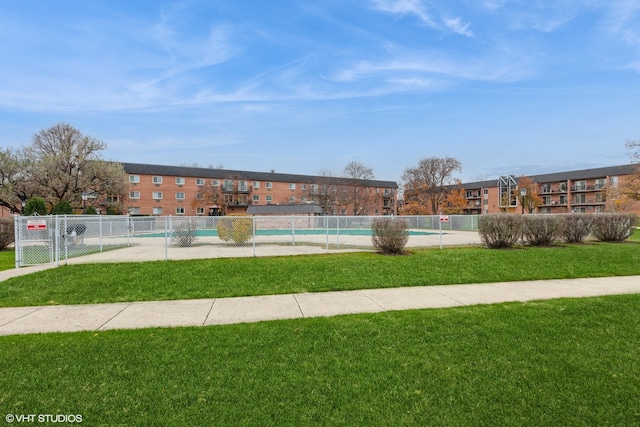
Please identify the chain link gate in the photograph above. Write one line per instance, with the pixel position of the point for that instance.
(34, 240)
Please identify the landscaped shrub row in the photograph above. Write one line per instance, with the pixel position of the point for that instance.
(505, 230)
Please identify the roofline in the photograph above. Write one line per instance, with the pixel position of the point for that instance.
(143, 168)
(601, 172)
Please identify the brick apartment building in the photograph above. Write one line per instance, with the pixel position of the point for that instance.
(176, 190)
(587, 190)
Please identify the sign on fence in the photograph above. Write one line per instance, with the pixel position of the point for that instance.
(36, 224)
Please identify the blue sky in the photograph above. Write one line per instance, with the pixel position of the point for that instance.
(507, 87)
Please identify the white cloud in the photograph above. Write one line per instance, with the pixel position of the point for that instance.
(418, 9)
(458, 27)
(405, 7)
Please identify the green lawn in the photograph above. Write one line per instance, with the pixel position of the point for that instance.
(552, 363)
(165, 280)
(7, 260)
(548, 363)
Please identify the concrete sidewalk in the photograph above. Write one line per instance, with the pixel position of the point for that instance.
(219, 311)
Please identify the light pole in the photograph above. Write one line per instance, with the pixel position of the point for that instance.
(84, 196)
(23, 203)
(523, 193)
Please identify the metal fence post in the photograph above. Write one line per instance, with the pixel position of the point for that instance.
(167, 225)
(326, 223)
(253, 233)
(17, 223)
(293, 231)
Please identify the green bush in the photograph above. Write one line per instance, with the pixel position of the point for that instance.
(390, 235)
(90, 210)
(500, 230)
(35, 205)
(7, 234)
(613, 227)
(236, 228)
(541, 230)
(63, 207)
(576, 227)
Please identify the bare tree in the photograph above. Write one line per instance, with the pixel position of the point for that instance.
(62, 164)
(324, 192)
(356, 170)
(355, 197)
(425, 183)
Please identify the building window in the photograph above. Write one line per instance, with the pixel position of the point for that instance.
(134, 211)
(292, 199)
(215, 182)
(268, 198)
(292, 186)
(180, 181)
(200, 182)
(199, 211)
(134, 179)
(199, 196)
(157, 180)
(256, 184)
(157, 195)
(314, 188)
(256, 197)
(228, 185)
(613, 181)
(303, 186)
(243, 186)
(303, 199)
(268, 185)
(134, 194)
(180, 196)
(486, 191)
(179, 211)
(580, 185)
(157, 211)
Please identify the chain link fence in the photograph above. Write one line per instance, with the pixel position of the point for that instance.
(95, 238)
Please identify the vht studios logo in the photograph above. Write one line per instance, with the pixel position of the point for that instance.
(43, 418)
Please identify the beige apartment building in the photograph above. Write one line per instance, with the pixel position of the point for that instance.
(587, 190)
(177, 190)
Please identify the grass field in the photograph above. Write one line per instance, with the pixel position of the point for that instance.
(165, 280)
(546, 363)
(551, 363)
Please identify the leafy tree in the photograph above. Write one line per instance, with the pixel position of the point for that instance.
(456, 201)
(414, 208)
(60, 164)
(15, 186)
(35, 205)
(532, 198)
(63, 207)
(426, 183)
